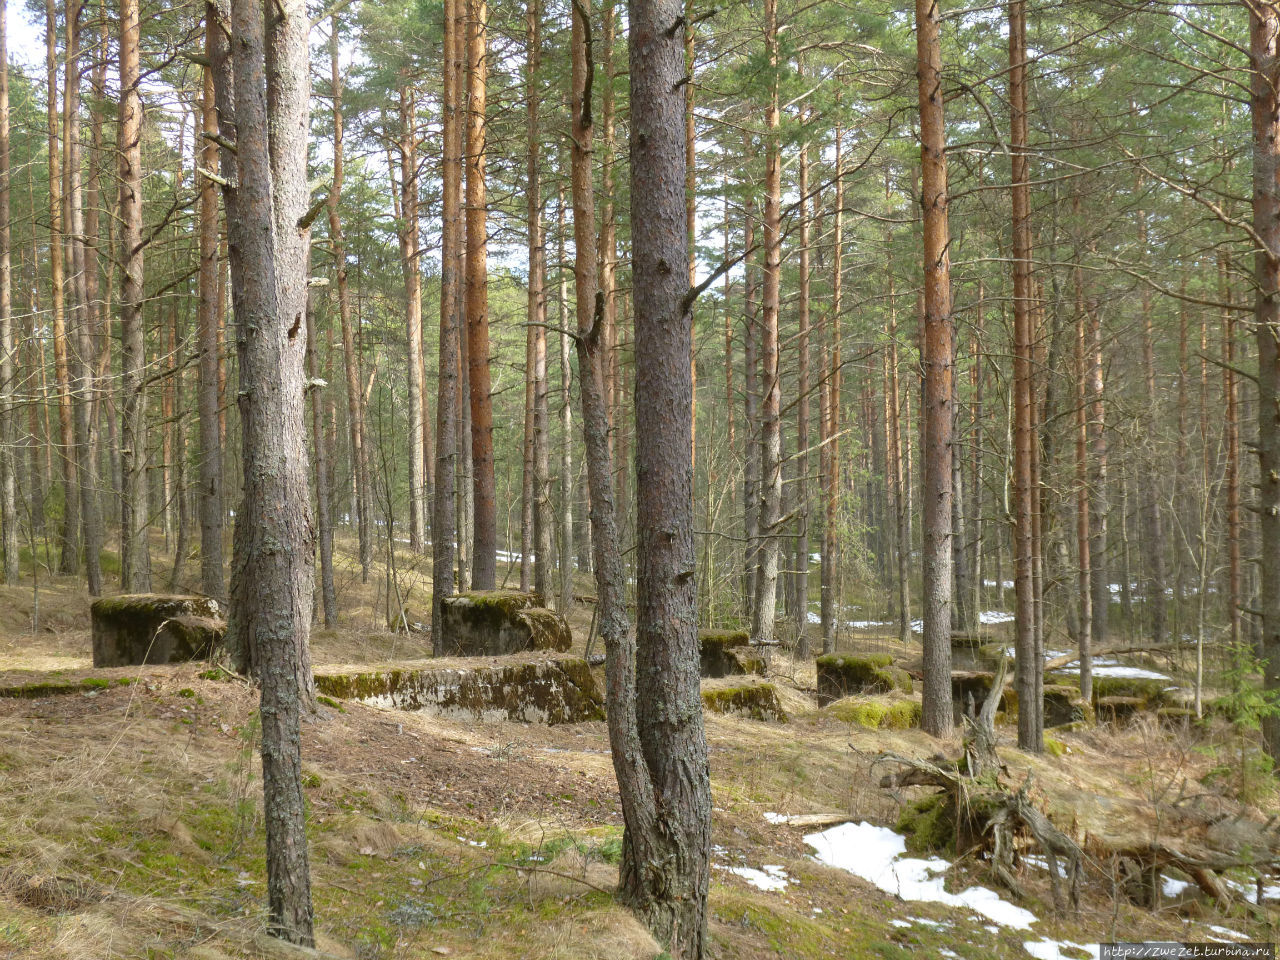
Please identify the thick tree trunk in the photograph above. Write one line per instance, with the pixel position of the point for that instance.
(764, 608)
(484, 555)
(444, 521)
(1030, 735)
(135, 553)
(937, 416)
(266, 113)
(666, 879)
(1264, 52)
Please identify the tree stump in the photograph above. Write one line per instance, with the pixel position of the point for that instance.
(143, 628)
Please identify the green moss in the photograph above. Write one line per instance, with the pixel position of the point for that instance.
(757, 702)
(95, 683)
(187, 693)
(863, 713)
(1054, 747)
(1150, 690)
(903, 715)
(929, 824)
(331, 703)
(841, 674)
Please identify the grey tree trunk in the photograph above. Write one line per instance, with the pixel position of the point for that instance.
(670, 889)
(263, 85)
(8, 412)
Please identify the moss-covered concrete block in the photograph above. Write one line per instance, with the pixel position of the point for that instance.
(842, 675)
(1118, 708)
(495, 623)
(757, 701)
(527, 688)
(153, 628)
(1151, 691)
(727, 653)
(877, 713)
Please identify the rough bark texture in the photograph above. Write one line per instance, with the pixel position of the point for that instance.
(444, 516)
(936, 360)
(1030, 736)
(135, 555)
(410, 265)
(485, 542)
(212, 504)
(802, 423)
(669, 889)
(1264, 54)
(830, 416)
(263, 85)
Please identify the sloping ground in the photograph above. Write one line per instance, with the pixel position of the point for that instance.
(130, 825)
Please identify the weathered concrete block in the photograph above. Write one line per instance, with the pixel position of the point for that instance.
(527, 688)
(153, 628)
(495, 623)
(756, 701)
(842, 675)
(728, 653)
(1063, 705)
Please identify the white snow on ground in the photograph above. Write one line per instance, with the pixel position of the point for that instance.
(1250, 890)
(1113, 669)
(869, 624)
(813, 617)
(1227, 932)
(1171, 887)
(770, 877)
(876, 855)
(776, 817)
(995, 616)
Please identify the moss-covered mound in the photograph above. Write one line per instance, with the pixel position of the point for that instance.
(727, 653)
(841, 675)
(876, 713)
(929, 824)
(495, 623)
(757, 701)
(153, 628)
(1151, 691)
(526, 689)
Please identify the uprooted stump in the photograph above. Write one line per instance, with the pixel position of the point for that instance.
(755, 701)
(526, 688)
(495, 623)
(727, 653)
(153, 628)
(842, 675)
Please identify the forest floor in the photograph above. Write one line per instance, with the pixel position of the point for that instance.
(130, 823)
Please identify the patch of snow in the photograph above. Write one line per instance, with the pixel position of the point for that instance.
(901, 924)
(475, 843)
(1227, 932)
(944, 952)
(1115, 670)
(995, 616)
(813, 617)
(876, 855)
(772, 817)
(1007, 584)
(770, 878)
(869, 624)
(1171, 887)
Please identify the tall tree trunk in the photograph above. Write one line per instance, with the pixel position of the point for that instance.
(213, 509)
(1084, 637)
(1264, 52)
(536, 334)
(766, 587)
(802, 423)
(937, 417)
(135, 559)
(831, 397)
(351, 362)
(1152, 521)
(1231, 441)
(444, 521)
(69, 561)
(1030, 734)
(484, 557)
(411, 267)
(324, 524)
(750, 414)
(1100, 509)
(266, 112)
(8, 410)
(668, 882)
(566, 422)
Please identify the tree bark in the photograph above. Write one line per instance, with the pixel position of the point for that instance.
(412, 270)
(263, 85)
(484, 554)
(135, 553)
(1264, 54)
(670, 889)
(830, 396)
(802, 422)
(444, 521)
(764, 609)
(937, 416)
